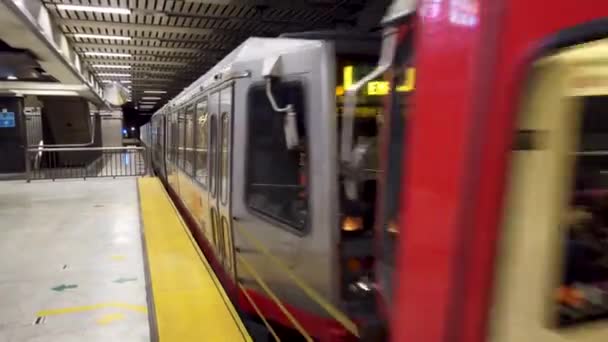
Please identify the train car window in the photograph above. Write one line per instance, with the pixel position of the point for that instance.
(583, 292)
(181, 137)
(169, 141)
(202, 141)
(552, 266)
(224, 157)
(189, 141)
(213, 141)
(169, 147)
(276, 186)
(174, 137)
(159, 140)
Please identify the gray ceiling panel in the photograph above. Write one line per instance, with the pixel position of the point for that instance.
(173, 42)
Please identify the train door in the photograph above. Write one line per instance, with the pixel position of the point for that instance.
(224, 177)
(162, 144)
(201, 172)
(172, 142)
(220, 108)
(552, 270)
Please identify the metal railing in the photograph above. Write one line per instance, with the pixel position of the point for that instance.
(86, 162)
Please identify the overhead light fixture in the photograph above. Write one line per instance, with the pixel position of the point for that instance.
(100, 36)
(151, 98)
(107, 54)
(155, 91)
(46, 92)
(111, 74)
(98, 9)
(109, 66)
(148, 103)
(11, 77)
(112, 81)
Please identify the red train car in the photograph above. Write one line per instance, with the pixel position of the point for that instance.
(483, 234)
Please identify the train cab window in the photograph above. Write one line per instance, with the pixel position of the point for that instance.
(552, 269)
(381, 106)
(276, 176)
(369, 119)
(202, 142)
(189, 141)
(368, 116)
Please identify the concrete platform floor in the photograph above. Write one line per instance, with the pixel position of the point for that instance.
(71, 263)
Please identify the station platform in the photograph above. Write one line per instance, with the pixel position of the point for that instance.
(104, 260)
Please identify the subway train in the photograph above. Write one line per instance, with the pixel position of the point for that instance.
(476, 147)
(492, 221)
(250, 153)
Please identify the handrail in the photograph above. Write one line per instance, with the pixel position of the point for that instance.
(86, 162)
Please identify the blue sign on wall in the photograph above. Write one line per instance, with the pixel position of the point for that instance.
(7, 119)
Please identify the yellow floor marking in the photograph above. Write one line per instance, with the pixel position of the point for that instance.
(189, 305)
(118, 257)
(109, 318)
(74, 309)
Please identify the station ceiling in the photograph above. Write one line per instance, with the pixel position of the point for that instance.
(164, 45)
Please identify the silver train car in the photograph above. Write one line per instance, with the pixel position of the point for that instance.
(249, 152)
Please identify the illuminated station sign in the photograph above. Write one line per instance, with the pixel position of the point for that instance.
(377, 88)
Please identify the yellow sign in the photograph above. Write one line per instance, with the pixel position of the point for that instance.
(377, 88)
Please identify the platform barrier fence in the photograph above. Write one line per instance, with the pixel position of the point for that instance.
(86, 162)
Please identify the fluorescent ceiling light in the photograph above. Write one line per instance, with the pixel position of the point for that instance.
(151, 98)
(148, 103)
(47, 92)
(111, 74)
(100, 36)
(112, 81)
(98, 9)
(107, 54)
(109, 66)
(11, 77)
(155, 91)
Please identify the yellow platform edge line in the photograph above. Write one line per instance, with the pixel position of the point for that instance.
(74, 309)
(189, 301)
